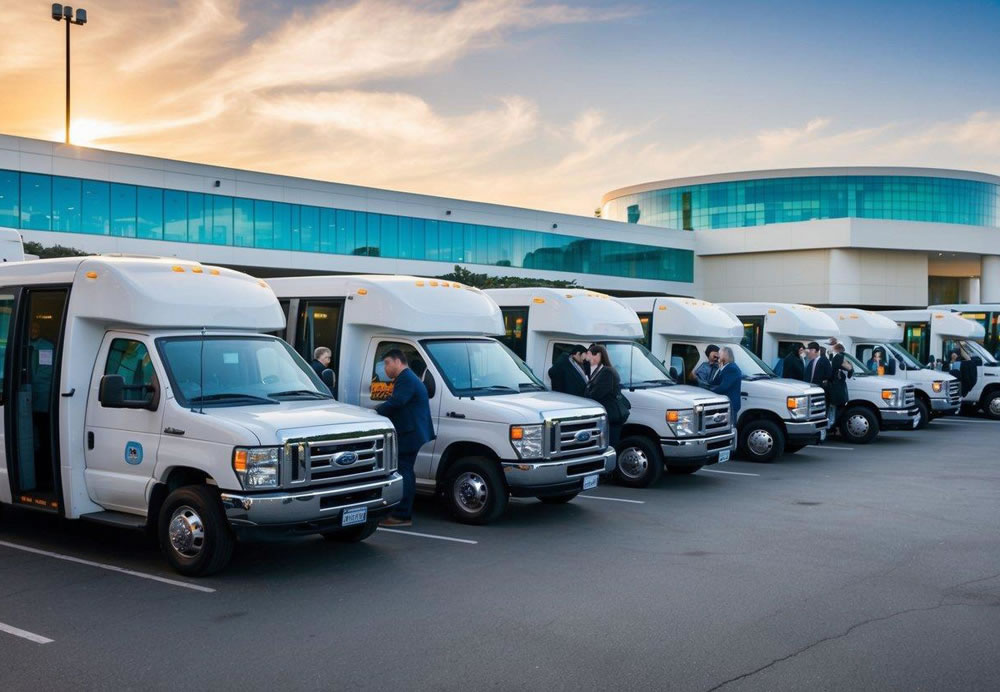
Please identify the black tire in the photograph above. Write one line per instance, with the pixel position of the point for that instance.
(924, 411)
(682, 470)
(639, 463)
(990, 403)
(475, 491)
(859, 425)
(792, 449)
(203, 542)
(558, 499)
(761, 440)
(352, 534)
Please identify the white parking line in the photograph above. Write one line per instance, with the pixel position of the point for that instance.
(963, 420)
(610, 499)
(430, 535)
(110, 568)
(24, 634)
(728, 473)
(846, 449)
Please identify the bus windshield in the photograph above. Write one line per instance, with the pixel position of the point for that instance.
(481, 367)
(752, 367)
(901, 354)
(859, 368)
(636, 366)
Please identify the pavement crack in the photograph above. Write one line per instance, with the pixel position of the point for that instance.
(832, 637)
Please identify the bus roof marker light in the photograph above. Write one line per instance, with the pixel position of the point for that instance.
(539, 301)
(362, 291)
(91, 275)
(197, 270)
(178, 268)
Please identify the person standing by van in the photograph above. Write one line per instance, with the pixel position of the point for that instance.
(321, 359)
(605, 387)
(571, 372)
(410, 412)
(841, 370)
(793, 366)
(705, 373)
(729, 380)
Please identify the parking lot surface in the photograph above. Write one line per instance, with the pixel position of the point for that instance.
(834, 568)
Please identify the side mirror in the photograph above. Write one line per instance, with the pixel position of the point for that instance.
(429, 383)
(113, 393)
(329, 378)
(890, 367)
(673, 373)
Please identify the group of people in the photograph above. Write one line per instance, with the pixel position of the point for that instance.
(808, 362)
(588, 372)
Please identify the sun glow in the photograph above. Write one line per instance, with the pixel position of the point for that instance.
(86, 131)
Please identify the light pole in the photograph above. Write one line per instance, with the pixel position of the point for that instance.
(66, 12)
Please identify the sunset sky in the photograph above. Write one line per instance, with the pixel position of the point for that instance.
(536, 104)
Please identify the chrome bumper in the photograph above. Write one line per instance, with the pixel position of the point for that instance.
(899, 418)
(805, 430)
(531, 474)
(318, 505)
(943, 405)
(696, 448)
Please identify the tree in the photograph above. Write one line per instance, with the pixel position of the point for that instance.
(33, 248)
(470, 278)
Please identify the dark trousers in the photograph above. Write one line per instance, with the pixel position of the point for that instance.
(614, 434)
(404, 510)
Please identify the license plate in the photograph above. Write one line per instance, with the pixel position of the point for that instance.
(724, 456)
(354, 515)
(822, 434)
(590, 482)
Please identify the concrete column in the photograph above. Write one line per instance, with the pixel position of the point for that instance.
(968, 290)
(989, 281)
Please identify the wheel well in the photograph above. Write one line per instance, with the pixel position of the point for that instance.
(922, 395)
(177, 477)
(760, 414)
(990, 389)
(861, 403)
(460, 450)
(636, 430)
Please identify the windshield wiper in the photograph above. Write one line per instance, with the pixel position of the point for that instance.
(759, 376)
(525, 386)
(303, 392)
(651, 382)
(497, 388)
(230, 395)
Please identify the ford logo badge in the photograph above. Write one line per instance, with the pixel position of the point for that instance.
(582, 436)
(345, 458)
(719, 417)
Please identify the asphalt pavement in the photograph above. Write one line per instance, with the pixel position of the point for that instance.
(839, 567)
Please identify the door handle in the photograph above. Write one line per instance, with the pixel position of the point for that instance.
(90, 440)
(69, 393)
(173, 431)
(453, 414)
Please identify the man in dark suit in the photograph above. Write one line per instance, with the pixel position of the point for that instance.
(321, 359)
(728, 381)
(819, 371)
(571, 372)
(410, 412)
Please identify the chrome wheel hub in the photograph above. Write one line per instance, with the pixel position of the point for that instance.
(858, 426)
(995, 406)
(471, 492)
(186, 532)
(760, 442)
(633, 462)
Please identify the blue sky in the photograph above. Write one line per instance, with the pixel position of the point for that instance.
(530, 103)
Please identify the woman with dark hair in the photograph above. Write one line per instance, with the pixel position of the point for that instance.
(794, 367)
(605, 387)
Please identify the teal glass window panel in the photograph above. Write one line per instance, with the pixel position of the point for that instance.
(373, 239)
(296, 221)
(174, 215)
(222, 219)
(123, 210)
(327, 230)
(9, 199)
(243, 222)
(66, 204)
(345, 232)
(405, 237)
(360, 233)
(432, 239)
(198, 224)
(309, 229)
(36, 202)
(149, 213)
(388, 245)
(95, 217)
(263, 225)
(418, 246)
(282, 226)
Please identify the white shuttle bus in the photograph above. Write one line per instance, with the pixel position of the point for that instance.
(862, 332)
(874, 403)
(930, 335)
(500, 432)
(670, 425)
(987, 315)
(777, 415)
(143, 393)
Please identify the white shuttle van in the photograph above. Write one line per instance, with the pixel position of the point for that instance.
(680, 427)
(142, 393)
(777, 415)
(500, 432)
(930, 335)
(987, 315)
(862, 331)
(874, 403)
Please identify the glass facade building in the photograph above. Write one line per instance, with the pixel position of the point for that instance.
(756, 202)
(31, 201)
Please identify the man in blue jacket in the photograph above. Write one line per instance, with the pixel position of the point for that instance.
(728, 381)
(410, 412)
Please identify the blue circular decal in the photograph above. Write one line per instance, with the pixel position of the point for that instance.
(133, 453)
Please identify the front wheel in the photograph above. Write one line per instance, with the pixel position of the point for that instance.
(991, 404)
(859, 425)
(194, 534)
(352, 534)
(762, 440)
(639, 463)
(475, 491)
(558, 499)
(923, 414)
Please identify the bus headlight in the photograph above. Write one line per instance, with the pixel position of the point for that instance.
(891, 397)
(257, 467)
(937, 386)
(681, 422)
(798, 406)
(526, 441)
